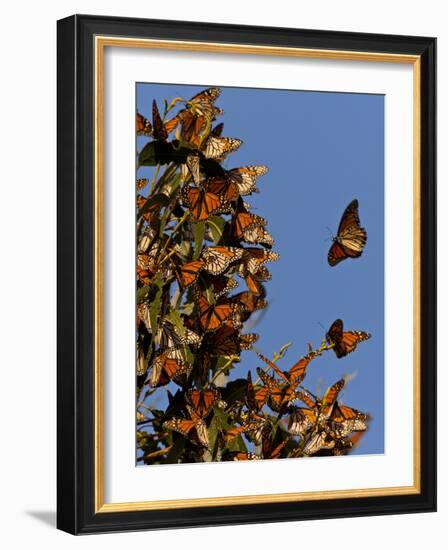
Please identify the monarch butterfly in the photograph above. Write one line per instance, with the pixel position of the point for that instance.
(226, 341)
(296, 373)
(279, 396)
(149, 211)
(219, 147)
(255, 258)
(188, 273)
(253, 428)
(202, 103)
(249, 302)
(323, 407)
(202, 401)
(301, 421)
(222, 285)
(344, 342)
(217, 259)
(146, 240)
(144, 126)
(213, 316)
(144, 275)
(202, 204)
(245, 178)
(351, 238)
(243, 221)
(141, 183)
(193, 164)
(318, 442)
(345, 420)
(198, 406)
(166, 368)
(142, 364)
(254, 281)
(258, 235)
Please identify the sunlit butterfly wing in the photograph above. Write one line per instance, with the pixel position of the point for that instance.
(201, 204)
(202, 401)
(193, 164)
(219, 147)
(318, 442)
(217, 259)
(301, 421)
(344, 342)
(188, 273)
(351, 237)
(245, 178)
(143, 126)
(213, 316)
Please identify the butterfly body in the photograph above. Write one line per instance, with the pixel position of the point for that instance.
(351, 238)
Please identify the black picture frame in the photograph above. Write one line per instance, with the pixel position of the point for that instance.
(76, 259)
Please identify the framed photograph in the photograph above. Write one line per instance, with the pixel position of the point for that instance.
(246, 274)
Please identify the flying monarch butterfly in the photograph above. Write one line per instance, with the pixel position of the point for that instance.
(213, 316)
(188, 273)
(296, 373)
(253, 281)
(166, 368)
(202, 204)
(351, 238)
(143, 125)
(217, 259)
(219, 147)
(344, 342)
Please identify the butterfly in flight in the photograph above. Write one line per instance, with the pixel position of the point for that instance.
(351, 238)
(344, 342)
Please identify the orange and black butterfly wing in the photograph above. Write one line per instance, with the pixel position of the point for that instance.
(201, 204)
(351, 237)
(202, 401)
(334, 337)
(143, 126)
(188, 273)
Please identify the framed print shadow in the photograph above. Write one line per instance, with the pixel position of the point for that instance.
(246, 274)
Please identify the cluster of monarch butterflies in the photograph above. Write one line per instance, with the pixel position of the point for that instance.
(202, 256)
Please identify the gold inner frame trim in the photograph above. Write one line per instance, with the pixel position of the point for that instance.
(101, 42)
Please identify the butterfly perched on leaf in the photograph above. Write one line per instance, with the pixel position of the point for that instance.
(188, 273)
(213, 316)
(236, 182)
(199, 405)
(167, 367)
(201, 203)
(218, 148)
(280, 395)
(350, 239)
(243, 222)
(344, 342)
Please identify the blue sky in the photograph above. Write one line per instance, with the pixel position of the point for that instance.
(323, 150)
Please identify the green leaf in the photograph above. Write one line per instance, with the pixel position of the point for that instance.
(160, 199)
(161, 152)
(237, 444)
(216, 226)
(199, 233)
(157, 288)
(142, 294)
(176, 319)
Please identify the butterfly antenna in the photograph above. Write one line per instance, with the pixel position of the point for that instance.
(320, 324)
